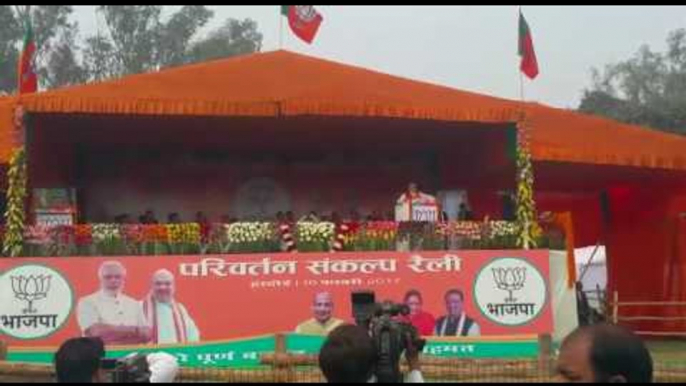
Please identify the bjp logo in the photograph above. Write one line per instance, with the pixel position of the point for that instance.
(31, 289)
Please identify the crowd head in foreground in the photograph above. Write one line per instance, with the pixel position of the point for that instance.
(593, 354)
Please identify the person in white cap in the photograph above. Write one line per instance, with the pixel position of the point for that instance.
(163, 367)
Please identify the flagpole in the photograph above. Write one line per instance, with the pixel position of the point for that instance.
(280, 30)
(521, 76)
(521, 86)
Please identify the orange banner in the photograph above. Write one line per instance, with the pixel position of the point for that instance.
(185, 299)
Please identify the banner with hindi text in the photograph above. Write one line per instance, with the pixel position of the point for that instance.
(44, 301)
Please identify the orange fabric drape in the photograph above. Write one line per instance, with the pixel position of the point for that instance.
(282, 83)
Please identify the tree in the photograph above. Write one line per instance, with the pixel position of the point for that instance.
(62, 67)
(98, 59)
(235, 37)
(137, 39)
(647, 89)
(10, 33)
(133, 32)
(51, 26)
(176, 34)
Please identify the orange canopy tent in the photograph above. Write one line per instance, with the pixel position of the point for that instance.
(282, 83)
(642, 172)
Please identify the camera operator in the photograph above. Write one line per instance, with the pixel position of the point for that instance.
(349, 355)
(82, 360)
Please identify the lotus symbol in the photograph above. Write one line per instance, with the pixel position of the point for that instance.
(305, 13)
(30, 289)
(510, 280)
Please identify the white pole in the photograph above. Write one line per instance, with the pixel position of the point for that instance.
(521, 76)
(281, 16)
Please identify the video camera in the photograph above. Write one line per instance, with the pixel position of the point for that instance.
(130, 369)
(391, 334)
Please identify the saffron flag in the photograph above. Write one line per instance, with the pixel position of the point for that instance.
(529, 63)
(304, 20)
(28, 80)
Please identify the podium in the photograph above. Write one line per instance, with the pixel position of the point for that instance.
(54, 207)
(423, 208)
(424, 212)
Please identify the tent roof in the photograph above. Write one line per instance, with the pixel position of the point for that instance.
(282, 83)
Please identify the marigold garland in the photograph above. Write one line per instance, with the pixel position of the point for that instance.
(529, 230)
(15, 216)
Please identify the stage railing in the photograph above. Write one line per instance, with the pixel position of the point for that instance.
(269, 237)
(616, 305)
(459, 370)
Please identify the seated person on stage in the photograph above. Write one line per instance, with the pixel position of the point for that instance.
(174, 218)
(354, 216)
(205, 226)
(123, 218)
(323, 322)
(456, 322)
(149, 218)
(201, 218)
(311, 217)
(465, 214)
(335, 218)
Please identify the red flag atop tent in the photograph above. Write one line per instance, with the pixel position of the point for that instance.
(304, 20)
(529, 64)
(28, 80)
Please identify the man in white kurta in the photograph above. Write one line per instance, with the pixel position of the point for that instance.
(170, 320)
(111, 315)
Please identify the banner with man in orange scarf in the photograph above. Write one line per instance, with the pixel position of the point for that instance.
(169, 320)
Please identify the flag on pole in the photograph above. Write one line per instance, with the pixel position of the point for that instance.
(28, 80)
(529, 64)
(304, 20)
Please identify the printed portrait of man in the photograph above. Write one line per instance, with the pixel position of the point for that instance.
(169, 320)
(456, 322)
(111, 315)
(323, 321)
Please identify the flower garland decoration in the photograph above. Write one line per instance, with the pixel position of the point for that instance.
(314, 236)
(529, 230)
(287, 238)
(249, 232)
(467, 229)
(61, 235)
(382, 230)
(105, 232)
(376, 236)
(184, 233)
(343, 233)
(154, 233)
(38, 235)
(502, 229)
(15, 215)
(83, 235)
(133, 233)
